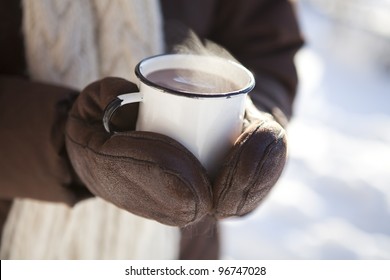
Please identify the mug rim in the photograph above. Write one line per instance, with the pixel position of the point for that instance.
(244, 90)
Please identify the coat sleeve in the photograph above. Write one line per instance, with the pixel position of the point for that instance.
(33, 159)
(264, 36)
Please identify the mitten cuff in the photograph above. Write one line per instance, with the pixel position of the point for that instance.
(272, 97)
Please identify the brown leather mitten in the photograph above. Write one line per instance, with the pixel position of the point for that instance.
(145, 173)
(252, 167)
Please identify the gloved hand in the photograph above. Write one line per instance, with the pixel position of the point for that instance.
(145, 173)
(154, 176)
(252, 167)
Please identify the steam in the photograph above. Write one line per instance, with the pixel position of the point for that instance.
(184, 41)
(192, 44)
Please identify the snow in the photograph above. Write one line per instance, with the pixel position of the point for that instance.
(333, 199)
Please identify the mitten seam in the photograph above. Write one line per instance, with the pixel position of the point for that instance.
(229, 177)
(258, 169)
(148, 163)
(178, 147)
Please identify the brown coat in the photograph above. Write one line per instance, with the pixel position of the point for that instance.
(262, 34)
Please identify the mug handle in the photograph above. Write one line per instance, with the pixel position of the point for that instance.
(119, 101)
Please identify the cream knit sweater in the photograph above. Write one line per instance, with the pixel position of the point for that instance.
(73, 43)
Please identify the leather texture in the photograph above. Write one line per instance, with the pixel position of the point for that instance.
(146, 173)
(252, 168)
(154, 176)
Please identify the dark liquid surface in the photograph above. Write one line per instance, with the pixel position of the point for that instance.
(185, 80)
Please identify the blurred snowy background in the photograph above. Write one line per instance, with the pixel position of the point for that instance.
(333, 199)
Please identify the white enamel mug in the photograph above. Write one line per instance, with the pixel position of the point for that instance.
(207, 124)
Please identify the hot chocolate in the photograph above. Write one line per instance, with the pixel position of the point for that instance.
(185, 80)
